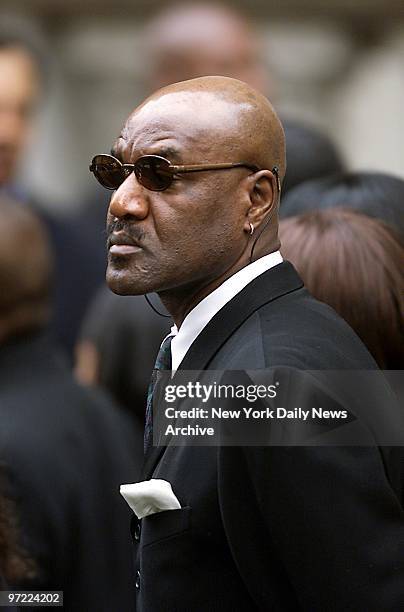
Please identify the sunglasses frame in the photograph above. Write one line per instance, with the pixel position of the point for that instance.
(171, 169)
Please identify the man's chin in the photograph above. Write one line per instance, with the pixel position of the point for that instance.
(121, 284)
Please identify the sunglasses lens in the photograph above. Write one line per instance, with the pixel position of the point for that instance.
(153, 172)
(108, 171)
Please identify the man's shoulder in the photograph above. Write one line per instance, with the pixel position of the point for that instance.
(272, 322)
(297, 330)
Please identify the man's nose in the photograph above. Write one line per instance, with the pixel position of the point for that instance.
(130, 199)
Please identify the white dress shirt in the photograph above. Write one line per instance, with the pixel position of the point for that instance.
(203, 312)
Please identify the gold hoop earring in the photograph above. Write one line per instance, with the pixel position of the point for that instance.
(251, 229)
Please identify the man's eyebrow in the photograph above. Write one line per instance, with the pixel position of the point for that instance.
(171, 153)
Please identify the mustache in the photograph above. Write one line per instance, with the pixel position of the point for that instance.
(132, 232)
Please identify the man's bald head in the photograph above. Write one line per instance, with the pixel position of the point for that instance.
(25, 270)
(186, 239)
(189, 40)
(236, 122)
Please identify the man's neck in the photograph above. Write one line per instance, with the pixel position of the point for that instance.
(180, 301)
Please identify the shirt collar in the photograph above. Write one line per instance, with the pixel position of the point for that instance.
(203, 312)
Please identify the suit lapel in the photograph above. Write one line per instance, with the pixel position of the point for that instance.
(269, 286)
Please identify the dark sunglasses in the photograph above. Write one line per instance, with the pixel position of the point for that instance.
(152, 171)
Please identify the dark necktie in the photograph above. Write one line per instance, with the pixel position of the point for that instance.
(163, 362)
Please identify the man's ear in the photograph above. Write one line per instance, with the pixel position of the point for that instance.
(263, 196)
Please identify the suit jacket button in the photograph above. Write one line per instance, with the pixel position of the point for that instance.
(137, 532)
(137, 581)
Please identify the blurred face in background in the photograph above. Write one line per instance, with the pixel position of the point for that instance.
(19, 90)
(200, 40)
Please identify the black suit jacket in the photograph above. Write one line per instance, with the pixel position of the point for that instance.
(274, 528)
(66, 451)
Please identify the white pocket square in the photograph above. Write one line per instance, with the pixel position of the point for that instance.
(149, 497)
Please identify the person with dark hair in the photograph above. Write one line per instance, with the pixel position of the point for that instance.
(196, 176)
(374, 194)
(66, 449)
(310, 154)
(359, 272)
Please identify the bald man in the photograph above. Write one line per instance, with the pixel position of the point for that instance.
(194, 217)
(183, 41)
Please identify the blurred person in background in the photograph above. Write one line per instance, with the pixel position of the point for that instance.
(24, 71)
(20, 85)
(377, 195)
(192, 39)
(354, 263)
(119, 341)
(310, 154)
(67, 449)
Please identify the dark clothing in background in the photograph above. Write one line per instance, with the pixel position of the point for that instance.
(67, 450)
(127, 334)
(4, 587)
(373, 194)
(310, 154)
(80, 264)
(282, 528)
